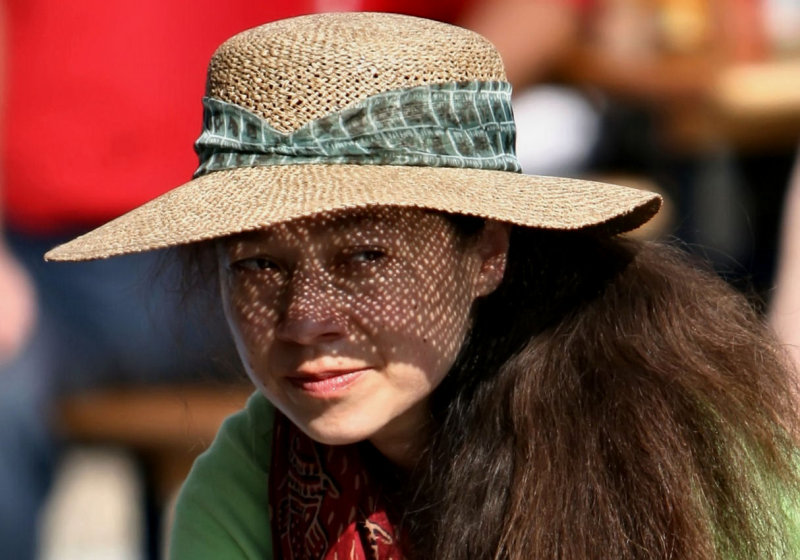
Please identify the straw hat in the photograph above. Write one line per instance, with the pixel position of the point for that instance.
(333, 111)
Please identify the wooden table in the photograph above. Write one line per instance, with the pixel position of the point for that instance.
(164, 428)
(752, 107)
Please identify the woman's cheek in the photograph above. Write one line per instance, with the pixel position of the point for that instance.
(425, 315)
(443, 312)
(254, 313)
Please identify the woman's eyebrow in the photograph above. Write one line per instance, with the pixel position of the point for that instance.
(361, 218)
(364, 224)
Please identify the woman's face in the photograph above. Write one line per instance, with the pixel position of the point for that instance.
(347, 321)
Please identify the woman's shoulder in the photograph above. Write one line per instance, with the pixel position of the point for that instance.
(223, 509)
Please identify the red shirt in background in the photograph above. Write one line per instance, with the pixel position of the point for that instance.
(103, 98)
(103, 101)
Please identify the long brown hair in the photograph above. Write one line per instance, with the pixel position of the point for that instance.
(612, 401)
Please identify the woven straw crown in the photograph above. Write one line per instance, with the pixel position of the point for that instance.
(294, 71)
(334, 111)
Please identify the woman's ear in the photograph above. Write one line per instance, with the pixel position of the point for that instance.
(492, 250)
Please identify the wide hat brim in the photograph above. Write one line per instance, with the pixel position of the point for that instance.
(245, 199)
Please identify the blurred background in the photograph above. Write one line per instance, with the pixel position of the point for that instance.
(114, 377)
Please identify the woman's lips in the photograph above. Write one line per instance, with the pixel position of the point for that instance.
(328, 383)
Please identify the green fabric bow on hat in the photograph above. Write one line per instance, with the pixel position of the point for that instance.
(467, 125)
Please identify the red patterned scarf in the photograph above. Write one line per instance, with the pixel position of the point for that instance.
(323, 504)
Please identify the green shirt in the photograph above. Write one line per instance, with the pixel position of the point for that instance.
(222, 510)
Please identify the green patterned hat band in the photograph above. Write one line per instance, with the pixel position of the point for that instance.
(467, 125)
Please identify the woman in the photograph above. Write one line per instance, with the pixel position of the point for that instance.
(452, 360)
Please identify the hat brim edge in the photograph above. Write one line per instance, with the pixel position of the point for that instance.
(244, 199)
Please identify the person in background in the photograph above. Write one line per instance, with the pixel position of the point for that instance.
(658, 69)
(95, 121)
(83, 138)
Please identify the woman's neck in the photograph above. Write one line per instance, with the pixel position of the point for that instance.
(401, 441)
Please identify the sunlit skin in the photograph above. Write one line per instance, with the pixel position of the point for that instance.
(347, 321)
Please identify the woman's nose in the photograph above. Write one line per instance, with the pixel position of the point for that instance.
(312, 312)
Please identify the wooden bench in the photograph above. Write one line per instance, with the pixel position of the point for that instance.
(164, 428)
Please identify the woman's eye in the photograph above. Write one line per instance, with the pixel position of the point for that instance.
(363, 256)
(255, 264)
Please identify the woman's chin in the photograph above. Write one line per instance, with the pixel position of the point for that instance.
(328, 433)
